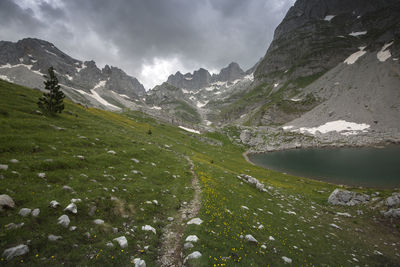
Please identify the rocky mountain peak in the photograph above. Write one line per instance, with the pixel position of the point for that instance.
(230, 73)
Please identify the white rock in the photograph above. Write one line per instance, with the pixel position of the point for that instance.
(196, 221)
(6, 202)
(271, 238)
(263, 246)
(244, 207)
(123, 243)
(378, 253)
(63, 220)
(54, 237)
(135, 160)
(335, 226)
(250, 238)
(194, 255)
(98, 221)
(286, 259)
(111, 152)
(67, 188)
(393, 200)
(24, 212)
(110, 245)
(76, 200)
(148, 228)
(170, 219)
(35, 212)
(73, 228)
(14, 161)
(394, 213)
(139, 262)
(344, 214)
(345, 197)
(72, 208)
(188, 245)
(15, 251)
(80, 157)
(3, 167)
(54, 204)
(155, 202)
(41, 175)
(192, 238)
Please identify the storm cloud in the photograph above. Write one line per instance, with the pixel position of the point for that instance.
(149, 39)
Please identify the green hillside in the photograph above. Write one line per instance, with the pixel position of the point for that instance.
(129, 179)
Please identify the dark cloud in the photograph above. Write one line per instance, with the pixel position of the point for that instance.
(175, 34)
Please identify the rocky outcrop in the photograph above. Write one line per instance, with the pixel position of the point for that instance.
(347, 198)
(6, 202)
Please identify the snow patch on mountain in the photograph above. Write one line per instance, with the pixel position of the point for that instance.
(189, 130)
(384, 54)
(355, 56)
(355, 34)
(340, 126)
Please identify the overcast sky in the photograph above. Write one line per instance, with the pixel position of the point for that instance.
(149, 39)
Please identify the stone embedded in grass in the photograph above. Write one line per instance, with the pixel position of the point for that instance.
(3, 167)
(109, 245)
(80, 157)
(135, 160)
(148, 228)
(24, 212)
(64, 220)
(92, 210)
(72, 208)
(188, 245)
(41, 175)
(54, 238)
(14, 161)
(344, 214)
(67, 188)
(286, 260)
(263, 246)
(196, 221)
(123, 243)
(112, 152)
(378, 253)
(139, 262)
(35, 212)
(393, 200)
(251, 239)
(6, 202)
(12, 226)
(170, 219)
(348, 198)
(335, 226)
(244, 207)
(192, 238)
(73, 228)
(54, 204)
(15, 251)
(271, 238)
(194, 255)
(76, 200)
(98, 221)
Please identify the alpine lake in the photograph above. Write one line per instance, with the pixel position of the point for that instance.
(377, 167)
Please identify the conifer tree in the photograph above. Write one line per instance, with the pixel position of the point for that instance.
(52, 101)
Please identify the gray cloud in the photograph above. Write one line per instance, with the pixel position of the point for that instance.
(135, 35)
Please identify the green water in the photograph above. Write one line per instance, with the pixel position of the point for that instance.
(367, 166)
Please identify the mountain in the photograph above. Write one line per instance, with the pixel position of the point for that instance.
(328, 61)
(26, 61)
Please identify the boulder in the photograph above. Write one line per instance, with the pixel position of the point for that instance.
(347, 198)
(393, 200)
(15, 251)
(392, 213)
(63, 220)
(194, 255)
(24, 212)
(123, 243)
(6, 202)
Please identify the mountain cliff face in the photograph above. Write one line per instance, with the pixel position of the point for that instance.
(26, 61)
(319, 68)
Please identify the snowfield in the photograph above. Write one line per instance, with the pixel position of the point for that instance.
(189, 130)
(355, 56)
(348, 128)
(384, 54)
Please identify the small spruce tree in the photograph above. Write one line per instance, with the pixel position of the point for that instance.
(52, 101)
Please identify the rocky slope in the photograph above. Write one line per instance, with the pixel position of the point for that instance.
(26, 61)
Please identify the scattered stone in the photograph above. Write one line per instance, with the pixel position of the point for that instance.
(64, 220)
(72, 208)
(335, 226)
(252, 181)
(393, 213)
(135, 160)
(98, 221)
(139, 262)
(54, 204)
(15, 251)
(123, 243)
(286, 260)
(244, 207)
(112, 152)
(271, 238)
(148, 228)
(393, 200)
(41, 175)
(3, 167)
(192, 238)
(344, 214)
(67, 188)
(35, 212)
(14, 161)
(348, 198)
(6, 202)
(12, 226)
(251, 239)
(76, 200)
(72, 228)
(196, 221)
(263, 246)
(24, 212)
(188, 245)
(92, 210)
(378, 253)
(194, 255)
(110, 245)
(54, 238)
(170, 219)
